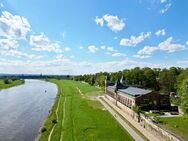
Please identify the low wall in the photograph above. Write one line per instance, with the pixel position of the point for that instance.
(147, 123)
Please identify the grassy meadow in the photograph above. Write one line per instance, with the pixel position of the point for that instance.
(178, 125)
(84, 119)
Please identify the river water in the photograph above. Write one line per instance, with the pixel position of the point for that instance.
(24, 108)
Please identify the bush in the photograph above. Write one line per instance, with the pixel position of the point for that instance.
(54, 121)
(7, 81)
(43, 129)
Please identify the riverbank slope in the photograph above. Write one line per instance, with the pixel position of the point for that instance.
(9, 85)
(77, 115)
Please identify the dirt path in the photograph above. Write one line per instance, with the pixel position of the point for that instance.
(56, 112)
(63, 120)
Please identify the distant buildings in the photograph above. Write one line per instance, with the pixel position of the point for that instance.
(132, 95)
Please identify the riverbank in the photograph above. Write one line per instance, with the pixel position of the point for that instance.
(79, 116)
(11, 84)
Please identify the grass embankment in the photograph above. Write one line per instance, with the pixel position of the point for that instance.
(178, 125)
(85, 120)
(12, 84)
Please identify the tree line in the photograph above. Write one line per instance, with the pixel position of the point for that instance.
(167, 80)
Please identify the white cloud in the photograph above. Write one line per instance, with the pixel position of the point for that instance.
(160, 32)
(103, 47)
(65, 66)
(167, 45)
(166, 8)
(113, 22)
(13, 26)
(99, 21)
(1, 5)
(92, 49)
(42, 43)
(19, 54)
(141, 56)
(111, 49)
(147, 50)
(81, 47)
(8, 44)
(118, 54)
(186, 43)
(133, 41)
(163, 1)
(59, 56)
(67, 49)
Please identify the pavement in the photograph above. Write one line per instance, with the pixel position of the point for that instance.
(145, 132)
(122, 122)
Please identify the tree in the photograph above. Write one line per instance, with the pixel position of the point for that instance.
(167, 81)
(183, 93)
(150, 79)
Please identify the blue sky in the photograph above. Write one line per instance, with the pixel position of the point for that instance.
(78, 37)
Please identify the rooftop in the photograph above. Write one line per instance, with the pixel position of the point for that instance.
(134, 91)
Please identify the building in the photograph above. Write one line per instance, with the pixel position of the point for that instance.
(131, 95)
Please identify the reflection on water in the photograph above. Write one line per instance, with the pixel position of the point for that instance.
(24, 108)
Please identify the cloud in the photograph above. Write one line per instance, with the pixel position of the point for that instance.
(99, 21)
(19, 54)
(65, 66)
(113, 22)
(168, 46)
(118, 54)
(1, 5)
(163, 1)
(92, 49)
(103, 47)
(141, 56)
(166, 8)
(81, 47)
(42, 43)
(133, 41)
(13, 26)
(160, 32)
(186, 43)
(147, 50)
(67, 49)
(8, 44)
(111, 49)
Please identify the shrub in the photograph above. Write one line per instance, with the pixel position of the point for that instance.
(54, 121)
(43, 129)
(7, 81)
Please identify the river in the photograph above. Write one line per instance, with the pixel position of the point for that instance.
(24, 108)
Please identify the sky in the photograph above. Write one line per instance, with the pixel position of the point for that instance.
(85, 37)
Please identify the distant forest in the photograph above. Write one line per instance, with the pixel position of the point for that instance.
(173, 80)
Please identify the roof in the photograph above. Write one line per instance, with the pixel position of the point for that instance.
(134, 91)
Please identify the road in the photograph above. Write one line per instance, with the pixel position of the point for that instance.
(122, 122)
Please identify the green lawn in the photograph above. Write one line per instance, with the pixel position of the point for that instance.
(178, 125)
(14, 83)
(85, 120)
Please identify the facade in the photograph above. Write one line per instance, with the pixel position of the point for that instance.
(130, 96)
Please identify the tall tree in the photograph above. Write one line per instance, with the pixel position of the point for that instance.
(183, 93)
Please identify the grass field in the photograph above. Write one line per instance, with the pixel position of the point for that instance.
(14, 83)
(178, 125)
(84, 119)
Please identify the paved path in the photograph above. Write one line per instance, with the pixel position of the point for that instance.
(145, 132)
(122, 122)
